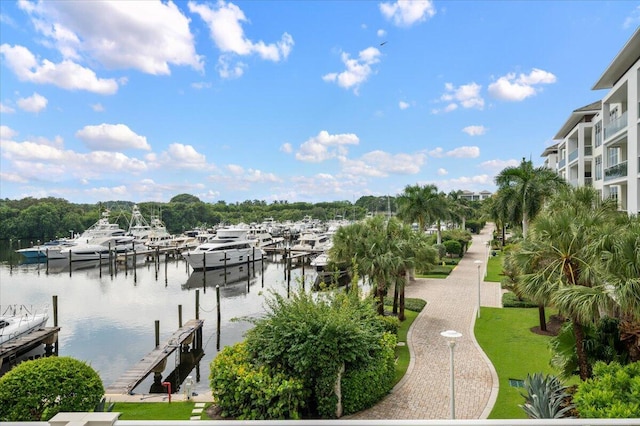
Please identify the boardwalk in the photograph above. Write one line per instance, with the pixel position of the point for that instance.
(424, 391)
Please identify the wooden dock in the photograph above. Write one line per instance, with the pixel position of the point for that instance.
(10, 350)
(156, 359)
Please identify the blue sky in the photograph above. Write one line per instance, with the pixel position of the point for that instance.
(289, 100)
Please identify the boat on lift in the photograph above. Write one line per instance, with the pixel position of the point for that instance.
(19, 321)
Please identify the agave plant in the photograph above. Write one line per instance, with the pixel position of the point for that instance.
(545, 397)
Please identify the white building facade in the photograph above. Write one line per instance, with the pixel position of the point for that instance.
(599, 144)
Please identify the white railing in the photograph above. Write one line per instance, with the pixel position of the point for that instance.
(616, 171)
(105, 419)
(615, 126)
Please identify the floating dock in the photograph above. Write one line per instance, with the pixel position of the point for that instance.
(155, 361)
(10, 350)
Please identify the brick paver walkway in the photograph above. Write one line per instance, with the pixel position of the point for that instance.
(424, 392)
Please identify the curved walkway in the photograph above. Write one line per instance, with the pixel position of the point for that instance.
(424, 392)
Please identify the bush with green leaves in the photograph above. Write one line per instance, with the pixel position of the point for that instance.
(37, 390)
(314, 337)
(247, 391)
(363, 387)
(545, 397)
(453, 247)
(612, 392)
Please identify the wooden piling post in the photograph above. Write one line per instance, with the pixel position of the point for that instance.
(179, 316)
(197, 304)
(157, 333)
(218, 315)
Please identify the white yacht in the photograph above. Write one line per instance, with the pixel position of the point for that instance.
(14, 323)
(230, 246)
(312, 242)
(153, 233)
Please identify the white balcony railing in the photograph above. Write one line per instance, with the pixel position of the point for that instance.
(616, 171)
(615, 126)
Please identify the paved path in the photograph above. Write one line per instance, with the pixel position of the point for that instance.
(424, 392)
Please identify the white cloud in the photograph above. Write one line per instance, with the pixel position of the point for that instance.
(148, 35)
(66, 74)
(227, 70)
(442, 172)
(34, 103)
(325, 146)
(97, 107)
(381, 33)
(475, 130)
(405, 13)
(225, 21)
(201, 85)
(286, 148)
(12, 177)
(517, 88)
(111, 137)
(633, 19)
(403, 105)
(498, 165)
(234, 169)
(460, 152)
(466, 96)
(182, 156)
(7, 133)
(382, 164)
(6, 109)
(357, 70)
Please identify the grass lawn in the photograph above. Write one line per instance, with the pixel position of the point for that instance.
(503, 334)
(402, 352)
(154, 410)
(494, 268)
(441, 270)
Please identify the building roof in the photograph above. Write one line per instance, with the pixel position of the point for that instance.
(551, 149)
(628, 56)
(576, 117)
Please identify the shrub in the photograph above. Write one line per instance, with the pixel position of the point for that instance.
(37, 390)
(453, 247)
(363, 387)
(510, 300)
(247, 391)
(315, 336)
(545, 397)
(442, 250)
(391, 324)
(612, 392)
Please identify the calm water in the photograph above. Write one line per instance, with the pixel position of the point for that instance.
(108, 319)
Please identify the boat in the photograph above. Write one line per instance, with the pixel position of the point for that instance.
(312, 242)
(325, 276)
(16, 322)
(230, 246)
(151, 233)
(262, 238)
(50, 250)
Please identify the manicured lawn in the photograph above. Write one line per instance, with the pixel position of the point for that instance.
(154, 410)
(402, 352)
(440, 270)
(504, 335)
(494, 268)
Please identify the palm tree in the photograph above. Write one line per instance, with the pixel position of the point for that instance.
(459, 207)
(531, 186)
(424, 205)
(558, 261)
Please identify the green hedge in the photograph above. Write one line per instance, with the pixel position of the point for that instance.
(364, 387)
(509, 300)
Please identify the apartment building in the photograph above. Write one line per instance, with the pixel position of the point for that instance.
(599, 144)
(475, 196)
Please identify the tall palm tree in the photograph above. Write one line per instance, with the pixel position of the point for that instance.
(559, 263)
(531, 185)
(424, 205)
(459, 207)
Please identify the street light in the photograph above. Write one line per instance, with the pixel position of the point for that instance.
(478, 262)
(451, 336)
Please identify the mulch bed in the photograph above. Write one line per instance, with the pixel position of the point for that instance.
(553, 326)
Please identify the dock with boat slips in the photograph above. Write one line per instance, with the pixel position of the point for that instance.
(10, 350)
(155, 361)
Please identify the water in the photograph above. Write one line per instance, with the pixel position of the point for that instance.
(107, 317)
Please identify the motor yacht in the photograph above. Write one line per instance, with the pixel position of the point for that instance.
(230, 246)
(16, 322)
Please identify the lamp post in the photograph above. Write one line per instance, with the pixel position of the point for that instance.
(451, 336)
(486, 270)
(478, 263)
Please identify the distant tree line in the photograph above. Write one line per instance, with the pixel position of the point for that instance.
(32, 219)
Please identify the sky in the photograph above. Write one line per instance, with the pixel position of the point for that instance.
(289, 100)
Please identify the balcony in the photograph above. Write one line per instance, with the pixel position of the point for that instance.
(562, 163)
(573, 155)
(588, 150)
(615, 126)
(588, 181)
(617, 171)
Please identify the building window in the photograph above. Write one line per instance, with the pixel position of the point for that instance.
(613, 193)
(598, 132)
(599, 167)
(612, 156)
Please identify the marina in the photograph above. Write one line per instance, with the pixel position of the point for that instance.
(108, 311)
